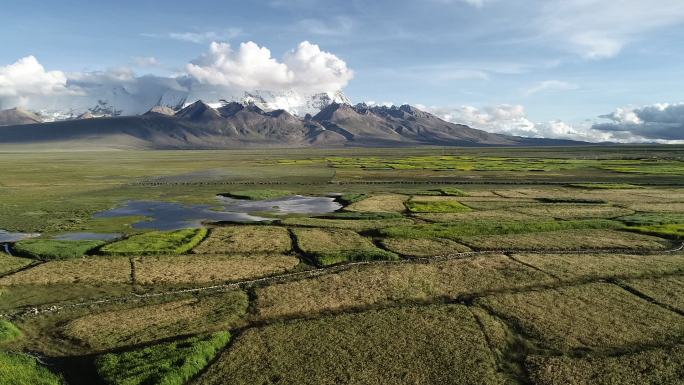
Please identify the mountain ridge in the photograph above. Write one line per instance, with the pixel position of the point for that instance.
(236, 125)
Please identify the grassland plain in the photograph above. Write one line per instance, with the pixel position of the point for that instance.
(650, 367)
(170, 363)
(566, 240)
(49, 249)
(21, 369)
(587, 265)
(113, 329)
(596, 316)
(367, 286)
(157, 242)
(245, 240)
(667, 290)
(331, 246)
(423, 247)
(437, 345)
(196, 269)
(498, 182)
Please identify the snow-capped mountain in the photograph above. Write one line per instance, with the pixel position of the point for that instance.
(139, 96)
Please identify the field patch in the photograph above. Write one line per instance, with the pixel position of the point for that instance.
(171, 363)
(95, 270)
(594, 316)
(567, 240)
(436, 204)
(392, 203)
(575, 266)
(606, 186)
(245, 240)
(349, 224)
(430, 345)
(9, 263)
(22, 369)
(458, 231)
(332, 246)
(49, 249)
(573, 211)
(674, 207)
(651, 367)
(148, 323)
(667, 290)
(486, 215)
(364, 286)
(157, 242)
(423, 247)
(210, 268)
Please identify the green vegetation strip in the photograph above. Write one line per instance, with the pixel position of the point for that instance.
(457, 231)
(442, 206)
(157, 242)
(21, 369)
(258, 195)
(672, 230)
(49, 249)
(605, 186)
(430, 345)
(8, 332)
(171, 363)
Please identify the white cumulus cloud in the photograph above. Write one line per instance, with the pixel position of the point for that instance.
(27, 78)
(661, 121)
(251, 67)
(512, 119)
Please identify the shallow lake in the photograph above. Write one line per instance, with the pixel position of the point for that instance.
(6, 236)
(174, 216)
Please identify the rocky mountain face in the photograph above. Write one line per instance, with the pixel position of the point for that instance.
(17, 116)
(236, 125)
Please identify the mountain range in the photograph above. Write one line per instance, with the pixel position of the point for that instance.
(237, 125)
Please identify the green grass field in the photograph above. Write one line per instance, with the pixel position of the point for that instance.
(511, 266)
(48, 249)
(157, 242)
(171, 363)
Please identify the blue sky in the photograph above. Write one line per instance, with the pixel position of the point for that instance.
(524, 62)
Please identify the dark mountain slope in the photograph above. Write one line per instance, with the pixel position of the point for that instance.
(236, 125)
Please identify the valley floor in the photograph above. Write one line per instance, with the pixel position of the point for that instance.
(443, 266)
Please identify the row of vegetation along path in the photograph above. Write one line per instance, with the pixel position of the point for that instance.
(318, 271)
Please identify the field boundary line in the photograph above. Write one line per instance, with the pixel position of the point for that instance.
(319, 271)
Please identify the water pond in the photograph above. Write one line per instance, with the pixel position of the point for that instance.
(173, 216)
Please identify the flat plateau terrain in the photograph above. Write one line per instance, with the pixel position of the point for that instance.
(529, 266)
